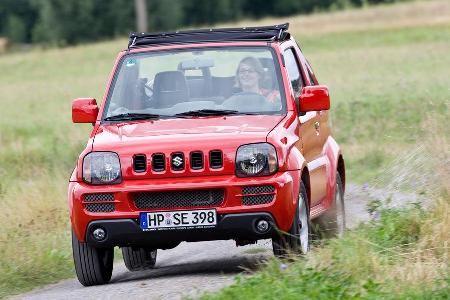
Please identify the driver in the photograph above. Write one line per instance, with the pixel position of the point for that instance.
(250, 76)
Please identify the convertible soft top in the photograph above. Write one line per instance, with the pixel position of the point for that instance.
(263, 33)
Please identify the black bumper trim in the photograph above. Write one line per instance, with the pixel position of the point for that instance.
(127, 232)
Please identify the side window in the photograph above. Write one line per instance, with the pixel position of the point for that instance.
(293, 70)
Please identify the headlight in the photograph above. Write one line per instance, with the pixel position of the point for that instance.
(101, 168)
(256, 160)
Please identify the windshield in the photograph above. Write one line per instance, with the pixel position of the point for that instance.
(214, 81)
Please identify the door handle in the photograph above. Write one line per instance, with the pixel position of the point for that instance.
(317, 125)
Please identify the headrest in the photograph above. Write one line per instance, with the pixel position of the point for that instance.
(170, 88)
(170, 81)
(269, 81)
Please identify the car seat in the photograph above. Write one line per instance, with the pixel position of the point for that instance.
(269, 81)
(170, 88)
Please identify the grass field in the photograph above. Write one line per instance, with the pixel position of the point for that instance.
(402, 254)
(388, 69)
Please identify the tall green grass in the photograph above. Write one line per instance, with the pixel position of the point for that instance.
(380, 260)
(384, 81)
(382, 90)
(38, 149)
(402, 253)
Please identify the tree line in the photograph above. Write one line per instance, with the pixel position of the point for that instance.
(67, 22)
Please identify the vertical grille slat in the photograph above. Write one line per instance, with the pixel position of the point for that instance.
(177, 161)
(196, 160)
(158, 162)
(140, 163)
(215, 159)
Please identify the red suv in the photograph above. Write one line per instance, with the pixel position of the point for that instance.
(204, 135)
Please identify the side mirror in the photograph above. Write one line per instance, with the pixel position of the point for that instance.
(314, 98)
(84, 110)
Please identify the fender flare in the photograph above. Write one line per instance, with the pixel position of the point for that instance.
(336, 159)
(296, 163)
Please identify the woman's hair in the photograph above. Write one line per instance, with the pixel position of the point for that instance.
(256, 65)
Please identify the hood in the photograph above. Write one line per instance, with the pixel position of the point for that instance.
(167, 129)
(182, 135)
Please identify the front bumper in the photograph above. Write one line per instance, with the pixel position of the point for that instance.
(126, 232)
(280, 211)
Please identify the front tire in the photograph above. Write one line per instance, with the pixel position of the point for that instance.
(332, 222)
(138, 259)
(93, 265)
(298, 238)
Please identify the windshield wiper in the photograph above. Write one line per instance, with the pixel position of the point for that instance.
(208, 112)
(132, 116)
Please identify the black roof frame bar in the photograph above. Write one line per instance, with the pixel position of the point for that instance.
(262, 33)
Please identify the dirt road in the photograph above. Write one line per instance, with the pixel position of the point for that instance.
(193, 268)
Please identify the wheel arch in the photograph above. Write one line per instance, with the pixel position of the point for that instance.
(306, 181)
(341, 170)
(336, 163)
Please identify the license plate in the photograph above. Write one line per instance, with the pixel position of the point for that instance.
(181, 219)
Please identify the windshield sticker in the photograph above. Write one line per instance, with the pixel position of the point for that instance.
(131, 62)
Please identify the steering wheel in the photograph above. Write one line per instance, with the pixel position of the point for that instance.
(246, 93)
(254, 95)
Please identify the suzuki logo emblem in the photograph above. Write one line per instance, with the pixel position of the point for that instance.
(177, 161)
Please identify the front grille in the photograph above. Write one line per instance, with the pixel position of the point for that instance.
(158, 162)
(258, 189)
(255, 195)
(140, 163)
(99, 207)
(196, 160)
(258, 199)
(215, 159)
(173, 199)
(98, 197)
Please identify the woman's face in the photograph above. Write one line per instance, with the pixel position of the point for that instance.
(248, 77)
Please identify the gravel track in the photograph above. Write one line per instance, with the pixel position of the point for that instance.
(193, 268)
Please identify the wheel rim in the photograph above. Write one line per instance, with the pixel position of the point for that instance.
(340, 212)
(303, 225)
